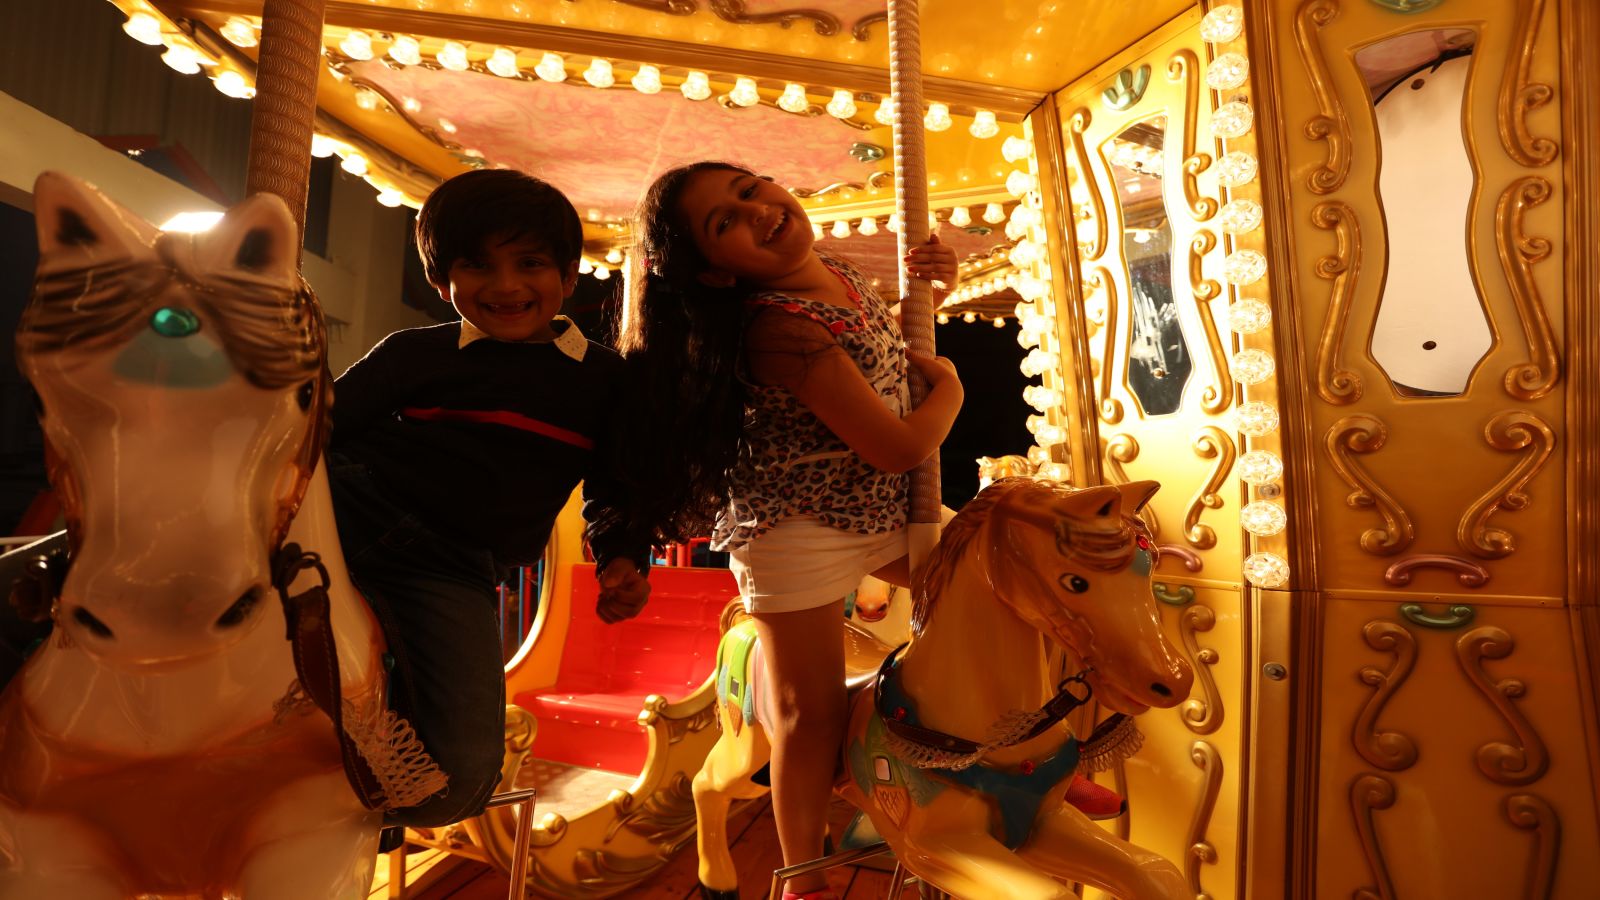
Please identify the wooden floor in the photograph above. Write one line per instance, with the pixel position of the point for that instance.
(435, 876)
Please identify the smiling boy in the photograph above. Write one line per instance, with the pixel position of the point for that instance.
(453, 449)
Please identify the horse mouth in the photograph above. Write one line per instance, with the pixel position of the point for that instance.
(1116, 698)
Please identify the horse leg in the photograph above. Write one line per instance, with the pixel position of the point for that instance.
(54, 856)
(970, 863)
(1066, 844)
(312, 840)
(723, 778)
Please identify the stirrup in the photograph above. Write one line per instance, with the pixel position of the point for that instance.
(780, 877)
(1096, 801)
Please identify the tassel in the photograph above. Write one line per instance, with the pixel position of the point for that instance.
(1113, 741)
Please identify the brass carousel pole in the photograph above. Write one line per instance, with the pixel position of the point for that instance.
(911, 203)
(286, 102)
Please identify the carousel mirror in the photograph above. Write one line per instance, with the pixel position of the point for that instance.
(1431, 329)
(1159, 362)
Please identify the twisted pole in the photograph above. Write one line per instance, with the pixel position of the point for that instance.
(285, 104)
(911, 203)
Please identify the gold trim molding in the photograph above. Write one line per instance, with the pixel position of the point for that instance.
(1367, 434)
(1330, 125)
(1467, 572)
(1518, 96)
(1184, 67)
(1201, 716)
(1518, 254)
(1217, 397)
(1110, 408)
(1201, 851)
(1368, 794)
(1501, 762)
(1336, 385)
(1077, 125)
(1210, 442)
(1388, 750)
(1531, 812)
(1509, 432)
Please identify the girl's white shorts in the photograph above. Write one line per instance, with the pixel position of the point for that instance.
(802, 563)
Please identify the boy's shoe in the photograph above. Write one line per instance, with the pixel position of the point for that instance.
(1095, 801)
(820, 894)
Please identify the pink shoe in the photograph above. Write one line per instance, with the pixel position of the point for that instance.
(819, 894)
(1095, 801)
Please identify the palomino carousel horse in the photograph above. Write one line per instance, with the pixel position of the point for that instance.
(160, 743)
(965, 783)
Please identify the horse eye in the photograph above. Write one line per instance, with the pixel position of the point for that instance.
(1074, 583)
(307, 392)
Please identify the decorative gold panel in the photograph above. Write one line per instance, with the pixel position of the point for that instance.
(1330, 125)
(1202, 714)
(1182, 69)
(1335, 384)
(1518, 96)
(1533, 813)
(1505, 763)
(1388, 750)
(1218, 396)
(1518, 254)
(1368, 794)
(1510, 432)
(1209, 443)
(1201, 851)
(1077, 124)
(1467, 572)
(1367, 434)
(1110, 407)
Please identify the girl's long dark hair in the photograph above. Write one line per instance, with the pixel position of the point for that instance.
(683, 341)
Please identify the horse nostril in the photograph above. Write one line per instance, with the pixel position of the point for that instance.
(87, 619)
(1161, 690)
(240, 610)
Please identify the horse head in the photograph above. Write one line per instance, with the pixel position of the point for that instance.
(1075, 564)
(183, 389)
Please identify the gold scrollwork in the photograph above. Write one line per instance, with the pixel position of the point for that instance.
(670, 7)
(665, 817)
(1330, 124)
(1201, 851)
(826, 24)
(1210, 442)
(1501, 762)
(1367, 434)
(1077, 125)
(1201, 716)
(837, 186)
(1122, 449)
(1533, 813)
(597, 870)
(1334, 384)
(1518, 255)
(1217, 397)
(1388, 750)
(1110, 407)
(1190, 559)
(1368, 793)
(1509, 431)
(1183, 67)
(1469, 573)
(863, 26)
(1518, 97)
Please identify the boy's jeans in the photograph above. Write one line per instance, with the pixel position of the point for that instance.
(437, 602)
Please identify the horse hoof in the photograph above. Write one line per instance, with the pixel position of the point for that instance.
(709, 893)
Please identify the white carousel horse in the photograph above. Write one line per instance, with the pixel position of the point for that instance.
(159, 744)
(960, 755)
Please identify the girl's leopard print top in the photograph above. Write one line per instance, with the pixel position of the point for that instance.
(796, 466)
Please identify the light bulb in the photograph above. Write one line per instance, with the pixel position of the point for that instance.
(1240, 216)
(239, 31)
(793, 99)
(551, 68)
(960, 217)
(1020, 182)
(1258, 467)
(144, 28)
(1038, 362)
(994, 214)
(969, 318)
(1266, 570)
(503, 62)
(322, 146)
(390, 198)
(1050, 435)
(647, 80)
(1224, 23)
(1256, 419)
(816, 231)
(744, 92)
(357, 45)
(405, 50)
(1251, 366)
(1227, 72)
(585, 266)
(1236, 168)
(601, 272)
(841, 229)
(937, 118)
(1054, 471)
(1040, 397)
(453, 56)
(232, 84)
(942, 319)
(354, 163)
(182, 58)
(1244, 267)
(599, 73)
(843, 104)
(614, 255)
(884, 114)
(1014, 149)
(868, 226)
(1232, 120)
(1038, 455)
(983, 125)
(696, 86)
(998, 322)
(1249, 316)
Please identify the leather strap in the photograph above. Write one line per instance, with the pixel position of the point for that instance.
(309, 629)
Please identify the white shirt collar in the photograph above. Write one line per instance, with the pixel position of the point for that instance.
(570, 340)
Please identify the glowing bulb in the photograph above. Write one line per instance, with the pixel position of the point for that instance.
(841, 229)
(601, 272)
(816, 231)
(994, 214)
(1236, 168)
(453, 56)
(599, 73)
(868, 226)
(696, 86)
(232, 84)
(354, 163)
(1224, 23)
(144, 28)
(969, 318)
(182, 58)
(503, 62)
(1244, 267)
(884, 114)
(1038, 455)
(960, 217)
(551, 68)
(358, 45)
(1266, 570)
(1038, 362)
(744, 92)
(937, 117)
(647, 80)
(391, 198)
(1240, 216)
(1249, 316)
(614, 255)
(585, 266)
(239, 31)
(366, 99)
(1040, 397)
(1232, 120)
(1227, 72)
(1020, 182)
(1256, 419)
(1054, 471)
(895, 224)
(322, 146)
(843, 104)
(983, 125)
(793, 99)
(999, 322)
(942, 319)
(406, 51)
(1251, 366)
(1259, 467)
(1015, 149)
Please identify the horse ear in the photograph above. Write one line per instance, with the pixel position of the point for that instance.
(1094, 502)
(1135, 494)
(258, 237)
(79, 226)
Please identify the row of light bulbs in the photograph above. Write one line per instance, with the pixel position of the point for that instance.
(959, 216)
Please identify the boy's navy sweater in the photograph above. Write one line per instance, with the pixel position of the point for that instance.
(484, 443)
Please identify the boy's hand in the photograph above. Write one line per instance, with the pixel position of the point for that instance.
(623, 591)
(934, 261)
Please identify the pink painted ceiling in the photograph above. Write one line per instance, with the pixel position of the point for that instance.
(878, 255)
(602, 147)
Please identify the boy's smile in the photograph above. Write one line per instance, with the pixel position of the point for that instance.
(511, 288)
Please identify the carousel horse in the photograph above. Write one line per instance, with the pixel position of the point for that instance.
(958, 751)
(165, 741)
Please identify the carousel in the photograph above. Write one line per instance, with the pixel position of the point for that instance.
(1307, 297)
